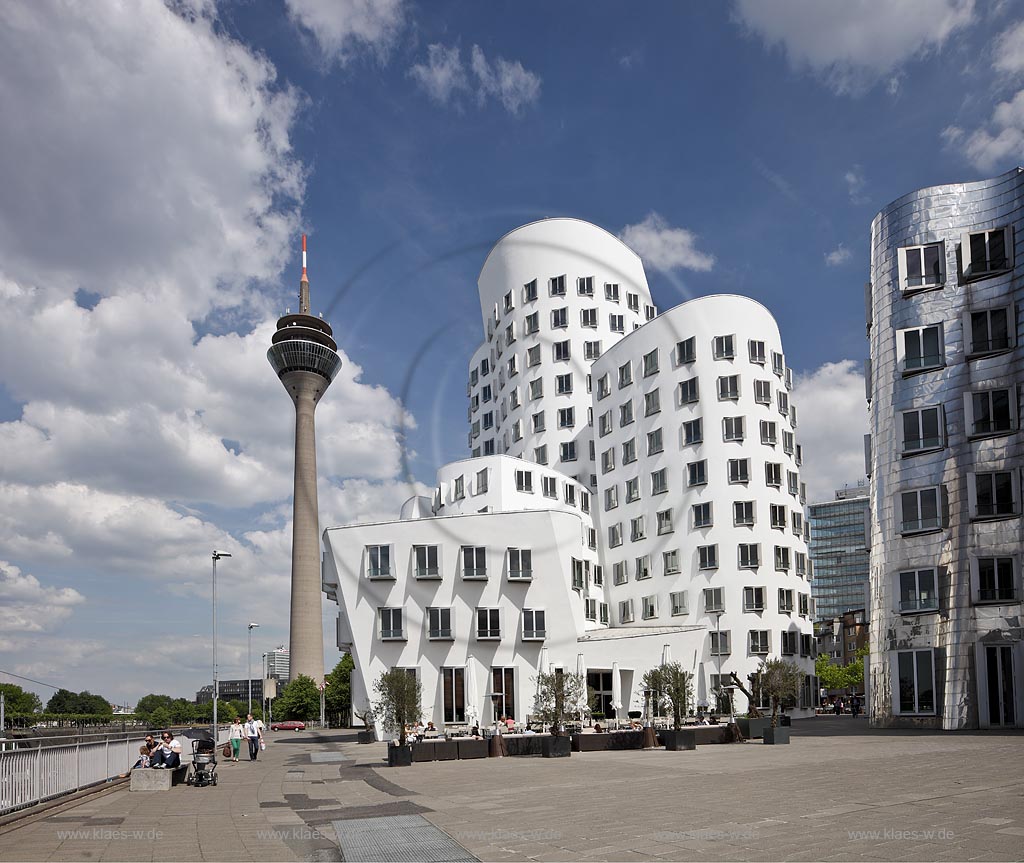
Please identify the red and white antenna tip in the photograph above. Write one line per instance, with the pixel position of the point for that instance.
(304, 256)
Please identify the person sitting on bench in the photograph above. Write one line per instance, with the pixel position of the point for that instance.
(168, 752)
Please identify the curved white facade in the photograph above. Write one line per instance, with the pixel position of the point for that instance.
(945, 456)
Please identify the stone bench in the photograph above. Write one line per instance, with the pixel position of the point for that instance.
(149, 779)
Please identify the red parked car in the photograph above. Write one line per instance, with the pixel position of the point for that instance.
(289, 725)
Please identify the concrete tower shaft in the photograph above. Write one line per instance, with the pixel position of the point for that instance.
(304, 355)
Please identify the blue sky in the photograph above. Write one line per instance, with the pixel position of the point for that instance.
(166, 162)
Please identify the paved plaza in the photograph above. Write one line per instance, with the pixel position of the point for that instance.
(839, 792)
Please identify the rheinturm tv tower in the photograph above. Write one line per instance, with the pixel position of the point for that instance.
(304, 355)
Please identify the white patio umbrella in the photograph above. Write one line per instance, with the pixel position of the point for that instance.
(542, 663)
(472, 699)
(702, 687)
(581, 670)
(666, 654)
(616, 692)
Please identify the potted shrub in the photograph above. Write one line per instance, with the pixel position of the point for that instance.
(780, 681)
(558, 693)
(754, 723)
(397, 704)
(367, 734)
(672, 684)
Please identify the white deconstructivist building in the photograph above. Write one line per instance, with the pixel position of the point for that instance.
(633, 496)
(945, 455)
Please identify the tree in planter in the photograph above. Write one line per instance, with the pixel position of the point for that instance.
(753, 694)
(558, 694)
(780, 680)
(669, 682)
(397, 702)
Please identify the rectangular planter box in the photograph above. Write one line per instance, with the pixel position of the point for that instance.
(445, 750)
(470, 747)
(399, 756)
(556, 747)
(423, 751)
(524, 744)
(776, 736)
(366, 737)
(607, 741)
(753, 728)
(679, 741)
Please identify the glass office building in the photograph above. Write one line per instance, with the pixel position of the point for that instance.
(839, 552)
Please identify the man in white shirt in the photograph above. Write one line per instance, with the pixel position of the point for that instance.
(167, 753)
(254, 734)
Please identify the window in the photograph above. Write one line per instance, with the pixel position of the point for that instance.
(531, 323)
(714, 599)
(474, 561)
(769, 433)
(459, 490)
(560, 351)
(524, 479)
(783, 399)
(756, 350)
(625, 414)
(688, 392)
(732, 429)
(603, 607)
(693, 432)
(619, 572)
(569, 494)
(633, 302)
(585, 286)
(806, 644)
(686, 351)
(556, 286)
(655, 443)
(584, 501)
(793, 481)
(643, 567)
(753, 599)
(801, 563)
(611, 292)
(803, 604)
(517, 430)
(678, 600)
(439, 623)
(626, 611)
(489, 447)
(379, 561)
(425, 557)
(763, 392)
(611, 497)
(789, 643)
(566, 418)
(749, 555)
(488, 420)
(567, 451)
(922, 430)
(650, 312)
(590, 609)
(702, 515)
(724, 347)
(920, 349)
(921, 267)
(785, 601)
(651, 363)
(773, 475)
(920, 510)
(591, 350)
(788, 442)
(729, 388)
(530, 291)
(994, 494)
(549, 486)
(782, 558)
(533, 624)
(488, 624)
(604, 386)
(915, 675)
(778, 363)
(759, 640)
(510, 333)
(743, 513)
(650, 607)
(986, 253)
(697, 473)
(604, 424)
(720, 644)
(559, 318)
(617, 323)
(778, 515)
(670, 561)
(996, 581)
(664, 521)
(391, 628)
(538, 422)
(520, 564)
(513, 366)
(991, 331)
(917, 591)
(485, 393)
(990, 412)
(652, 403)
(636, 529)
(453, 682)
(615, 535)
(707, 556)
(629, 451)
(739, 470)
(474, 378)
(625, 375)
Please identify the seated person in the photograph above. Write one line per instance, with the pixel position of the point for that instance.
(597, 728)
(510, 723)
(143, 760)
(474, 731)
(151, 743)
(528, 730)
(430, 730)
(167, 753)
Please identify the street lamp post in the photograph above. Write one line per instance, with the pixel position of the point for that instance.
(217, 555)
(263, 687)
(252, 626)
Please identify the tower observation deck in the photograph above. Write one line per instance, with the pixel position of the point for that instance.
(304, 355)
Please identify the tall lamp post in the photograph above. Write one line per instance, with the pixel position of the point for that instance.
(217, 555)
(252, 626)
(263, 687)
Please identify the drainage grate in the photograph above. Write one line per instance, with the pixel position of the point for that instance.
(398, 838)
(327, 757)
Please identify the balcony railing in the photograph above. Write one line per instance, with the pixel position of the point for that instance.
(918, 604)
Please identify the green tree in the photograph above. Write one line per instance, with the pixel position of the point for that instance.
(338, 695)
(300, 699)
(89, 703)
(397, 702)
(182, 711)
(559, 694)
(148, 703)
(18, 701)
(671, 683)
(62, 701)
(780, 681)
(160, 718)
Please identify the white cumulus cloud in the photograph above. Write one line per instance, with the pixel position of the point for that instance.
(28, 606)
(838, 256)
(854, 44)
(665, 247)
(342, 28)
(446, 79)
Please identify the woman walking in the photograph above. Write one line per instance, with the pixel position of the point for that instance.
(235, 735)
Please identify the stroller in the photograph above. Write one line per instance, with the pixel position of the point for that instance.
(204, 763)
